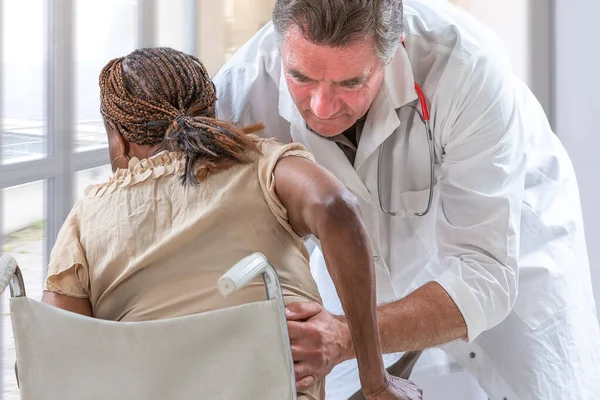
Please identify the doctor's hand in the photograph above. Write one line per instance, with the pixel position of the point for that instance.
(319, 342)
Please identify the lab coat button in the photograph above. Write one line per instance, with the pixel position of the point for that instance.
(472, 355)
(376, 258)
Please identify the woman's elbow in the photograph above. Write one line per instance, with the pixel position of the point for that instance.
(339, 206)
(336, 210)
(77, 305)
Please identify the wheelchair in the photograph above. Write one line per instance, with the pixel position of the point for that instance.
(240, 352)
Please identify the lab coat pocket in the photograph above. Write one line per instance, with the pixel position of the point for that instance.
(424, 227)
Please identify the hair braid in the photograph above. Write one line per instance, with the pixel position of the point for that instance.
(162, 96)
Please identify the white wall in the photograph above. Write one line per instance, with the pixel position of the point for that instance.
(509, 20)
(524, 28)
(577, 105)
(225, 25)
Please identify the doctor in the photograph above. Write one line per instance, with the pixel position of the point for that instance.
(470, 200)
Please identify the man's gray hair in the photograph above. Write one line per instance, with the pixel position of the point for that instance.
(338, 23)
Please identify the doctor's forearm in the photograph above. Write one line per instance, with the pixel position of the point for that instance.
(425, 318)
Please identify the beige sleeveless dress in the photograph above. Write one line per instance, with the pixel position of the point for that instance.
(143, 247)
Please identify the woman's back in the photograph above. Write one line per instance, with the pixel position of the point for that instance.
(168, 244)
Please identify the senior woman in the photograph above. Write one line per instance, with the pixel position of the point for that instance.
(191, 196)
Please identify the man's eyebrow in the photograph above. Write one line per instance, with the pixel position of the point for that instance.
(352, 81)
(357, 80)
(299, 75)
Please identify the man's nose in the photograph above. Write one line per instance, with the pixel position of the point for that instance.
(323, 104)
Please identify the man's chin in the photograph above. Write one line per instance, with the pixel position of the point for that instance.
(325, 131)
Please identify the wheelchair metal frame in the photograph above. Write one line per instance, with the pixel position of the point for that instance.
(240, 275)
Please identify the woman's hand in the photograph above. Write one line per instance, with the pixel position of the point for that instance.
(395, 389)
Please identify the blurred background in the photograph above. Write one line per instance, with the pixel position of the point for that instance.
(52, 140)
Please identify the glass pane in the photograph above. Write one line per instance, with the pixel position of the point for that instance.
(23, 125)
(104, 30)
(23, 238)
(89, 177)
(172, 21)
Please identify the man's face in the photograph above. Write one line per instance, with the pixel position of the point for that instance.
(332, 87)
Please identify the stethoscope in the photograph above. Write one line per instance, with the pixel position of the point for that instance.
(425, 118)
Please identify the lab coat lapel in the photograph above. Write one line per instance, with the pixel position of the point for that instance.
(329, 155)
(382, 120)
(286, 107)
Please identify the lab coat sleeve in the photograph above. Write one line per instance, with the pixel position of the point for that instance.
(481, 188)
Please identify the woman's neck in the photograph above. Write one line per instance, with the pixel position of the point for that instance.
(144, 151)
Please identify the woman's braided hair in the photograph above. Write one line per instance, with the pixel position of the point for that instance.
(163, 96)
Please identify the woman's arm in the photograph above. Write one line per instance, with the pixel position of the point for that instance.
(69, 303)
(317, 203)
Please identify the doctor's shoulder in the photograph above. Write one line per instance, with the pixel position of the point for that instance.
(473, 91)
(248, 85)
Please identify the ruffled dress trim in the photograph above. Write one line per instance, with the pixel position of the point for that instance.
(162, 164)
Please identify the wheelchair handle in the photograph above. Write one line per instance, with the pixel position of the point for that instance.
(242, 273)
(8, 267)
(10, 275)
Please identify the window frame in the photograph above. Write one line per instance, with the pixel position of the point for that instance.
(62, 160)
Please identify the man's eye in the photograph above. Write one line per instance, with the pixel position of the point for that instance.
(301, 79)
(351, 85)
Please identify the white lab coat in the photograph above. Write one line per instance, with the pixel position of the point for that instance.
(506, 217)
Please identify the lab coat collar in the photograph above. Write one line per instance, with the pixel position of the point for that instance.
(287, 107)
(398, 89)
(399, 80)
(328, 154)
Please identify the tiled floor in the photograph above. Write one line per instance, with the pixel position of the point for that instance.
(28, 250)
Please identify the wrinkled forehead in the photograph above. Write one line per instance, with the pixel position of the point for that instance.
(323, 62)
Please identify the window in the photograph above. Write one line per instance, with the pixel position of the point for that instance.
(22, 230)
(52, 138)
(91, 176)
(103, 30)
(23, 136)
